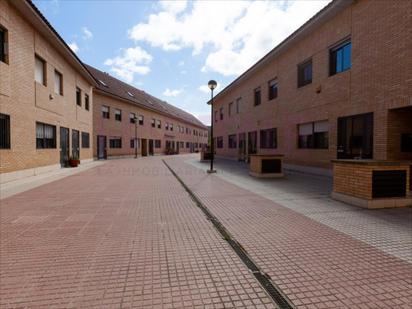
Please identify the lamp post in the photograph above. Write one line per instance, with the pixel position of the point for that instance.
(212, 85)
(135, 137)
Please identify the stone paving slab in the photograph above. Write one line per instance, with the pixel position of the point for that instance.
(121, 235)
(389, 230)
(315, 265)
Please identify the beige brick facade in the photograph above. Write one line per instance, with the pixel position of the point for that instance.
(112, 128)
(26, 101)
(379, 82)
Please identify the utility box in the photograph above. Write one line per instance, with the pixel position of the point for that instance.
(372, 183)
(266, 166)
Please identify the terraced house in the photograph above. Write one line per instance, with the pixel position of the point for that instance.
(128, 120)
(340, 87)
(45, 95)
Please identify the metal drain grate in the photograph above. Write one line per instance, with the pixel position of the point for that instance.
(271, 289)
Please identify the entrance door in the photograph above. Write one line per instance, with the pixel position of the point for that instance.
(75, 144)
(64, 146)
(252, 142)
(242, 147)
(151, 148)
(355, 137)
(101, 147)
(177, 147)
(144, 147)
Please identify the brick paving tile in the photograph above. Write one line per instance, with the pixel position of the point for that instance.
(315, 265)
(121, 235)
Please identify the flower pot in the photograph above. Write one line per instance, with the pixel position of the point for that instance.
(74, 162)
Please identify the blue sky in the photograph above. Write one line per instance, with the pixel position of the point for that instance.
(171, 49)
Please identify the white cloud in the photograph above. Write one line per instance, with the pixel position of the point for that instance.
(87, 34)
(172, 93)
(236, 33)
(173, 7)
(74, 47)
(133, 60)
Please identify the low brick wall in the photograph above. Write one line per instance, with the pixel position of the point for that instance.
(354, 177)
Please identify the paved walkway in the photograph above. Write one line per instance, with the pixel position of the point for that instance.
(121, 235)
(390, 230)
(27, 183)
(317, 266)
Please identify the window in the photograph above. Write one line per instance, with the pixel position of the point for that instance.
(158, 143)
(314, 135)
(118, 114)
(219, 142)
(115, 142)
(134, 143)
(187, 145)
(86, 102)
(4, 45)
(268, 138)
(232, 141)
(159, 124)
(45, 136)
(406, 143)
(215, 116)
(273, 89)
(153, 122)
(40, 71)
(141, 120)
(132, 117)
(182, 145)
(4, 131)
(167, 126)
(257, 97)
(78, 96)
(221, 113)
(58, 82)
(171, 126)
(85, 140)
(106, 112)
(305, 73)
(102, 83)
(355, 137)
(130, 94)
(230, 108)
(238, 102)
(340, 58)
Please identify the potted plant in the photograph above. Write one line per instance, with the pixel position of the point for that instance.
(74, 161)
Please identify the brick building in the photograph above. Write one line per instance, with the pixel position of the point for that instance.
(122, 112)
(338, 87)
(45, 95)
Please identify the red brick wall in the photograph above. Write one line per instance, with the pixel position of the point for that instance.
(126, 130)
(380, 79)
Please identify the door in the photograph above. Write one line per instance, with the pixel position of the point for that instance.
(144, 147)
(75, 144)
(64, 146)
(177, 147)
(242, 147)
(101, 147)
(151, 147)
(355, 137)
(252, 142)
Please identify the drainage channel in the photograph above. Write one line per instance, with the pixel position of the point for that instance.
(271, 289)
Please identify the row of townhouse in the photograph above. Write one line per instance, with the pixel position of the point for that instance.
(340, 87)
(52, 106)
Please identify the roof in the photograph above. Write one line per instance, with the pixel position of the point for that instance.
(112, 86)
(319, 18)
(40, 23)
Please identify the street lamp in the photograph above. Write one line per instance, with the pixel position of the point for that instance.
(135, 136)
(212, 85)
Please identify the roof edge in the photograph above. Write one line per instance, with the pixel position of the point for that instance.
(322, 16)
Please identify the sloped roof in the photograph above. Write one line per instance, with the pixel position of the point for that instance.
(115, 87)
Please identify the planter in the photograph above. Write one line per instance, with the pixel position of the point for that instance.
(74, 162)
(266, 166)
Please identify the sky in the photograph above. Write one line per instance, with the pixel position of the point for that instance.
(171, 49)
